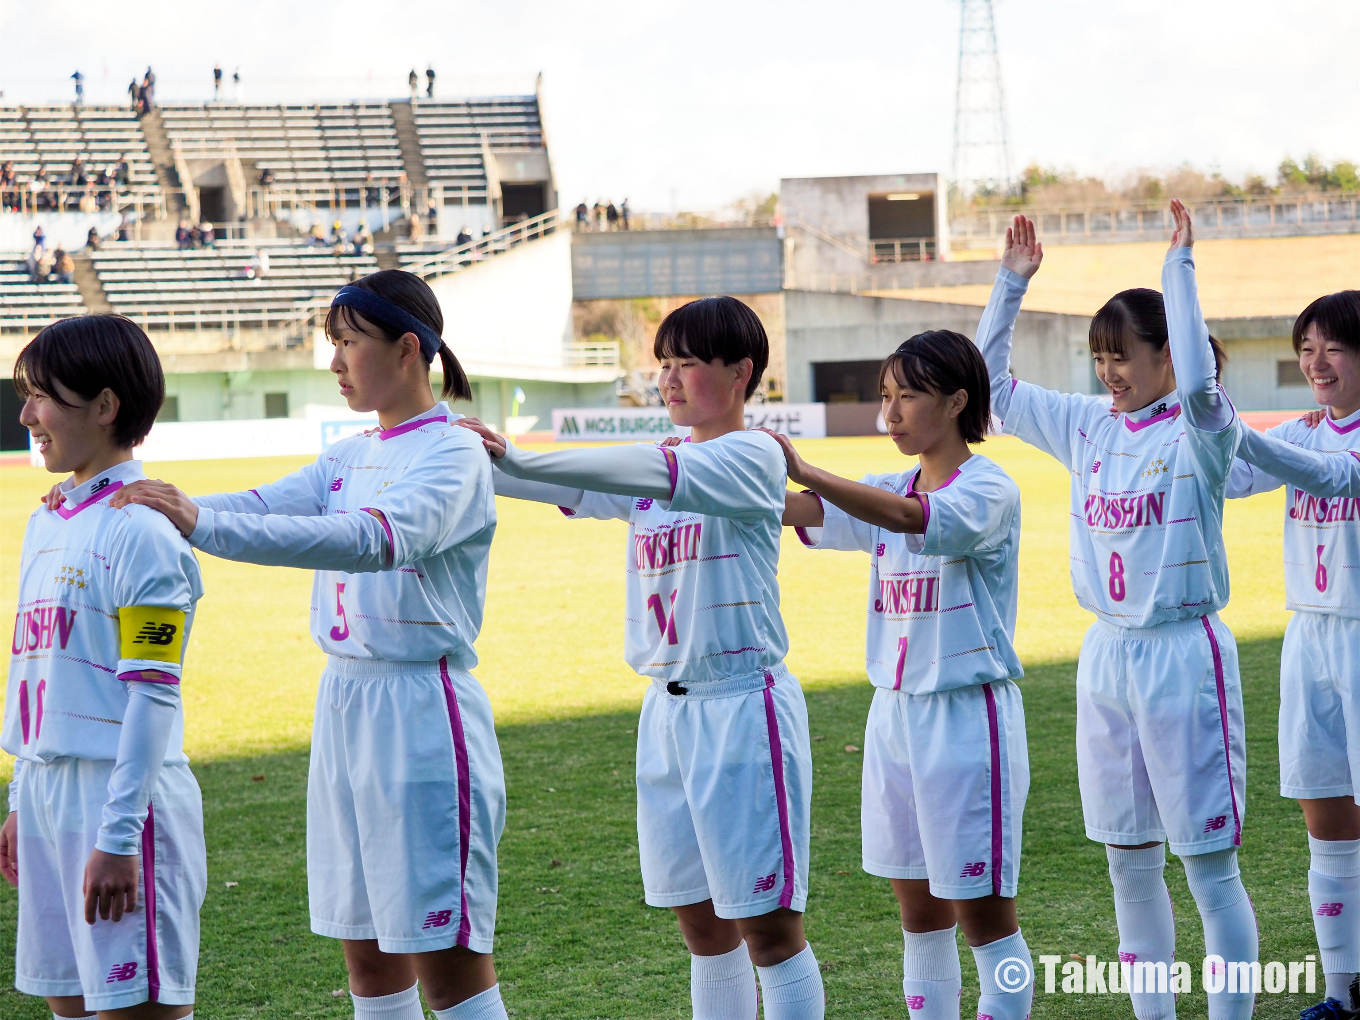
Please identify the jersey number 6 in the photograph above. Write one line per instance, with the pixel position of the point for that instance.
(1320, 575)
(1117, 589)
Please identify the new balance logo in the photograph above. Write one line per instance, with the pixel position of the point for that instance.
(882, 548)
(984, 1016)
(1095, 467)
(916, 1002)
(121, 972)
(1330, 910)
(336, 483)
(764, 884)
(644, 504)
(1127, 957)
(99, 486)
(437, 918)
(1214, 824)
(155, 634)
(973, 870)
(1159, 409)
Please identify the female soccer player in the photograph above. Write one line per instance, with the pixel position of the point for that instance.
(946, 769)
(105, 833)
(405, 797)
(1160, 743)
(1319, 697)
(724, 770)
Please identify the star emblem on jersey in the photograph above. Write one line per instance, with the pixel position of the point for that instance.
(1157, 467)
(73, 577)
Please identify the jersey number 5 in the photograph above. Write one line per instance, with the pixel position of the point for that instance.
(342, 631)
(1117, 589)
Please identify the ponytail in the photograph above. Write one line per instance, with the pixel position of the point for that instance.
(456, 385)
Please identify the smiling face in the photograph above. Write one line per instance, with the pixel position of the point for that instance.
(697, 392)
(918, 420)
(370, 369)
(1136, 377)
(76, 438)
(1332, 370)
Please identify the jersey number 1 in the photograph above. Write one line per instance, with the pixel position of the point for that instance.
(1117, 589)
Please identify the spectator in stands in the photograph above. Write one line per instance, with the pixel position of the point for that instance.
(92, 239)
(582, 217)
(267, 177)
(122, 171)
(125, 228)
(39, 265)
(148, 91)
(463, 237)
(79, 79)
(338, 235)
(611, 214)
(135, 97)
(317, 237)
(370, 190)
(429, 81)
(623, 214)
(362, 241)
(39, 240)
(63, 266)
(432, 213)
(207, 235)
(184, 237)
(258, 267)
(417, 229)
(79, 176)
(9, 187)
(217, 83)
(88, 203)
(599, 215)
(413, 80)
(236, 92)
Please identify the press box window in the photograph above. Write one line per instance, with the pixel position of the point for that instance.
(276, 405)
(1288, 373)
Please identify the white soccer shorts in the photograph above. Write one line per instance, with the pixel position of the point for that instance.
(1161, 745)
(148, 955)
(724, 782)
(1319, 707)
(405, 807)
(945, 781)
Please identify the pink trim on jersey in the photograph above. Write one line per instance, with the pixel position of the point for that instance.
(382, 519)
(399, 430)
(567, 511)
(37, 721)
(1343, 429)
(1170, 412)
(673, 466)
(802, 532)
(260, 498)
(780, 794)
(998, 837)
(1223, 717)
(153, 956)
(460, 757)
(149, 676)
(107, 490)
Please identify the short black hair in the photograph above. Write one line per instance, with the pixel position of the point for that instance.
(1139, 314)
(412, 294)
(90, 353)
(1337, 317)
(944, 362)
(715, 327)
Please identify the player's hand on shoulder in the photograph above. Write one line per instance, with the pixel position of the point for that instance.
(53, 499)
(1184, 234)
(797, 466)
(495, 444)
(9, 849)
(158, 495)
(1313, 418)
(1023, 252)
(671, 441)
(110, 886)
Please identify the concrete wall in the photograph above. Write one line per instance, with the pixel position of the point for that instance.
(668, 263)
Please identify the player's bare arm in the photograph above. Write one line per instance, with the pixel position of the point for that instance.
(495, 444)
(9, 849)
(110, 887)
(874, 506)
(803, 510)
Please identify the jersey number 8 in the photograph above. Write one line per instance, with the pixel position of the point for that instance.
(1117, 588)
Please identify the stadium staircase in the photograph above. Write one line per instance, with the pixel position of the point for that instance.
(87, 283)
(158, 146)
(403, 121)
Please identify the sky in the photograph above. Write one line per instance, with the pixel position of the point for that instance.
(691, 104)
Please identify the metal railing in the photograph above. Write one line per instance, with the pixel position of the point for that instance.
(322, 199)
(270, 326)
(902, 249)
(459, 257)
(1265, 216)
(854, 283)
(140, 199)
(591, 354)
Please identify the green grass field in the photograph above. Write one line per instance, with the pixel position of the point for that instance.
(574, 939)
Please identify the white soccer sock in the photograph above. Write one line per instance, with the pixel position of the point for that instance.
(1008, 1001)
(931, 978)
(485, 1005)
(88, 1015)
(397, 1006)
(1334, 888)
(792, 990)
(723, 987)
(1229, 923)
(1147, 929)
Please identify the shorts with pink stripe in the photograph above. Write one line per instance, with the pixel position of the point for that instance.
(724, 782)
(946, 777)
(405, 807)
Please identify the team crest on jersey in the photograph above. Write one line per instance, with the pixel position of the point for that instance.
(71, 576)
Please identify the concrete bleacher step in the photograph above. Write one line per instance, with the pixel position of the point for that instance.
(159, 146)
(87, 282)
(387, 257)
(411, 157)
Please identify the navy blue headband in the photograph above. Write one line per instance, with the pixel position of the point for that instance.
(385, 313)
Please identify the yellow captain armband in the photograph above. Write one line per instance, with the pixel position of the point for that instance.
(152, 632)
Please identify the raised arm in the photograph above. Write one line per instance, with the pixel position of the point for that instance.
(996, 330)
(1205, 404)
(1316, 473)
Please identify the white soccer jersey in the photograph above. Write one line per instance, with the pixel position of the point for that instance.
(941, 605)
(1321, 535)
(1147, 487)
(81, 567)
(420, 588)
(702, 599)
